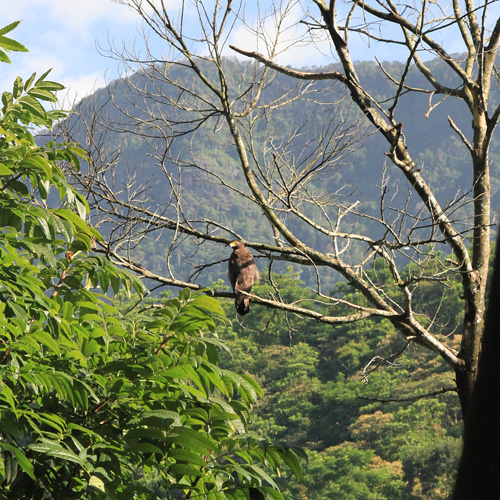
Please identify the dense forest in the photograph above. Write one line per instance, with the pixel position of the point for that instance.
(323, 390)
(378, 415)
(355, 397)
(358, 175)
(114, 385)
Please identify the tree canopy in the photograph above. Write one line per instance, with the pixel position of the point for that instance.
(98, 400)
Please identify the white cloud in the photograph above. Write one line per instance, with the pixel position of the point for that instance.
(80, 87)
(62, 34)
(294, 44)
(24, 64)
(77, 16)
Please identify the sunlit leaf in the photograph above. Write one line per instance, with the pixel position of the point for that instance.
(10, 27)
(56, 450)
(5, 170)
(18, 87)
(10, 44)
(47, 340)
(33, 106)
(45, 95)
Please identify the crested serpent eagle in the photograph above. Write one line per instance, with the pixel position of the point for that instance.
(243, 273)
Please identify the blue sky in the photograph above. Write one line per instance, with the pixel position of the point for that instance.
(62, 34)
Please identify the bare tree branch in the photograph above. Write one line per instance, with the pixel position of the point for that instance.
(213, 121)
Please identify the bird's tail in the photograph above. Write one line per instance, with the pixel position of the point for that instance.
(242, 306)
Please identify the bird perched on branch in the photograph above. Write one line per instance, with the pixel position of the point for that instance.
(243, 273)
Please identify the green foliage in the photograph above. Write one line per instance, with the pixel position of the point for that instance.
(346, 472)
(92, 397)
(322, 385)
(418, 437)
(8, 43)
(101, 400)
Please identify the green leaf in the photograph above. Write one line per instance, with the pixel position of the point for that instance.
(44, 188)
(42, 78)
(139, 447)
(253, 383)
(97, 483)
(162, 414)
(293, 463)
(56, 450)
(185, 294)
(43, 94)
(4, 57)
(18, 87)
(44, 225)
(81, 397)
(261, 474)
(48, 85)
(38, 163)
(19, 312)
(208, 303)
(193, 440)
(180, 454)
(10, 44)
(23, 462)
(29, 81)
(19, 187)
(72, 217)
(7, 395)
(5, 170)
(272, 494)
(10, 27)
(7, 99)
(47, 340)
(185, 470)
(10, 468)
(33, 106)
(52, 420)
(87, 304)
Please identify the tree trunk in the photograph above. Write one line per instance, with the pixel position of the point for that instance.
(475, 282)
(480, 463)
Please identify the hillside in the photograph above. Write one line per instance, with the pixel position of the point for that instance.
(354, 395)
(148, 159)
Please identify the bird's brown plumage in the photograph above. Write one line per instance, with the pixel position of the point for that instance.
(243, 273)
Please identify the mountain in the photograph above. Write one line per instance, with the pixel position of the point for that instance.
(162, 169)
(353, 394)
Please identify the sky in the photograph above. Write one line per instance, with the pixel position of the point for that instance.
(64, 35)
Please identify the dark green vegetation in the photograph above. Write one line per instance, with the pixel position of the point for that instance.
(94, 397)
(353, 395)
(323, 389)
(101, 397)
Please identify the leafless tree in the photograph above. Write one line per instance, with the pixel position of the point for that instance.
(198, 89)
